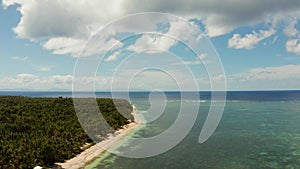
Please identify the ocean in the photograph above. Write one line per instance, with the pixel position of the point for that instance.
(258, 130)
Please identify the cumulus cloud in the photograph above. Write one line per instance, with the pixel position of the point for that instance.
(293, 46)
(249, 40)
(55, 18)
(178, 31)
(66, 25)
(77, 47)
(219, 17)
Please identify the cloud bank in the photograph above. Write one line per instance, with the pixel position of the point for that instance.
(260, 78)
(64, 26)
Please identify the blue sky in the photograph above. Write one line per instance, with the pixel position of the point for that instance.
(257, 44)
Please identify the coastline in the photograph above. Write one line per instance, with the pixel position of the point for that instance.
(95, 151)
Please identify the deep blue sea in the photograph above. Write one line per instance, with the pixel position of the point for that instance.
(258, 130)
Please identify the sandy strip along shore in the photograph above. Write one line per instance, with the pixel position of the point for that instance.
(95, 151)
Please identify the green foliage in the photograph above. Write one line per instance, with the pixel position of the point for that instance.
(41, 131)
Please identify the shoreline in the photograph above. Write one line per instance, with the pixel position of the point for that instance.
(95, 151)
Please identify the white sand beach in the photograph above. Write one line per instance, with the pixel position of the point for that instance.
(97, 150)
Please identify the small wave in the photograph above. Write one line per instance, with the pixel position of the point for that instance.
(195, 101)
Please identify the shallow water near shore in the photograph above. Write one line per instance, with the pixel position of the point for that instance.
(254, 134)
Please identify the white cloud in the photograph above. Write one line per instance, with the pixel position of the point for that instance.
(27, 81)
(159, 43)
(293, 46)
(101, 44)
(274, 73)
(219, 17)
(290, 30)
(178, 31)
(182, 31)
(113, 57)
(55, 18)
(26, 77)
(61, 79)
(77, 18)
(249, 40)
(19, 58)
(65, 25)
(201, 59)
(44, 68)
(266, 78)
(260, 78)
(281, 77)
(214, 25)
(65, 46)
(76, 47)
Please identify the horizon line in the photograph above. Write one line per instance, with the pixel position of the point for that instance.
(123, 91)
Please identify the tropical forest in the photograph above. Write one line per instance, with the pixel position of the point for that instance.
(42, 131)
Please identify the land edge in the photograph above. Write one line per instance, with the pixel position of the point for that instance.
(95, 151)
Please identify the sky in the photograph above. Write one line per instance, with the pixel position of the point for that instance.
(169, 45)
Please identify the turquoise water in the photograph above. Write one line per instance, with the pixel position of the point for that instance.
(251, 134)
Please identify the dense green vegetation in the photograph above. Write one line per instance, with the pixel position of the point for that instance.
(41, 131)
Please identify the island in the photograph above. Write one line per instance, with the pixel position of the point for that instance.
(46, 131)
